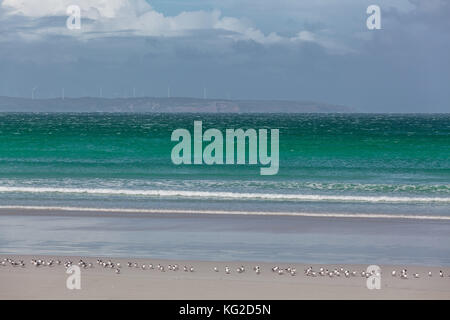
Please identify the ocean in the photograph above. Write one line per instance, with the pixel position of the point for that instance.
(363, 166)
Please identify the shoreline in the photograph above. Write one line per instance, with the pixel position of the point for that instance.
(98, 282)
(83, 211)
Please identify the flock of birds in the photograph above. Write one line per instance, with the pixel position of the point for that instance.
(116, 266)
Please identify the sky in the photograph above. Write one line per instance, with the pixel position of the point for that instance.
(315, 50)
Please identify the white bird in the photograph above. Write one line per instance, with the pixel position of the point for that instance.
(441, 274)
(216, 269)
(416, 275)
(117, 271)
(227, 270)
(191, 269)
(394, 273)
(430, 274)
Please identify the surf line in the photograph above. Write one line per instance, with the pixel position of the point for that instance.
(213, 153)
(226, 212)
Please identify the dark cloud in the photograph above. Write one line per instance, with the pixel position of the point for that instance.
(402, 68)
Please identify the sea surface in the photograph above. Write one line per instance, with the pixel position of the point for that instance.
(331, 165)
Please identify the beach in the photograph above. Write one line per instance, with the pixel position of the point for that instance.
(98, 282)
(352, 191)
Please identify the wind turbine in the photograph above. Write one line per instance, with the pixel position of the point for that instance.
(32, 92)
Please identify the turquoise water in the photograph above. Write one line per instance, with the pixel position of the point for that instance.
(359, 163)
(374, 168)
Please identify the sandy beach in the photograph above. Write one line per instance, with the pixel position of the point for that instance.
(203, 282)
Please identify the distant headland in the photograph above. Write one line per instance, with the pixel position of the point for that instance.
(166, 105)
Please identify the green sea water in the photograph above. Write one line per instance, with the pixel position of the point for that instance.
(361, 163)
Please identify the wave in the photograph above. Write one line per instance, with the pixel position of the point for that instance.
(226, 195)
(226, 212)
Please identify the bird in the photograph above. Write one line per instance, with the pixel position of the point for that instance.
(185, 269)
(117, 271)
(191, 269)
(227, 270)
(441, 274)
(416, 275)
(430, 274)
(394, 273)
(281, 272)
(216, 269)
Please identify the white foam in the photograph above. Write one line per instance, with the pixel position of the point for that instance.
(226, 195)
(224, 212)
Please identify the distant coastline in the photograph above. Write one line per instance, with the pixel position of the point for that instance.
(166, 105)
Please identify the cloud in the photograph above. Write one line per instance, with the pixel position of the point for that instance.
(102, 18)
